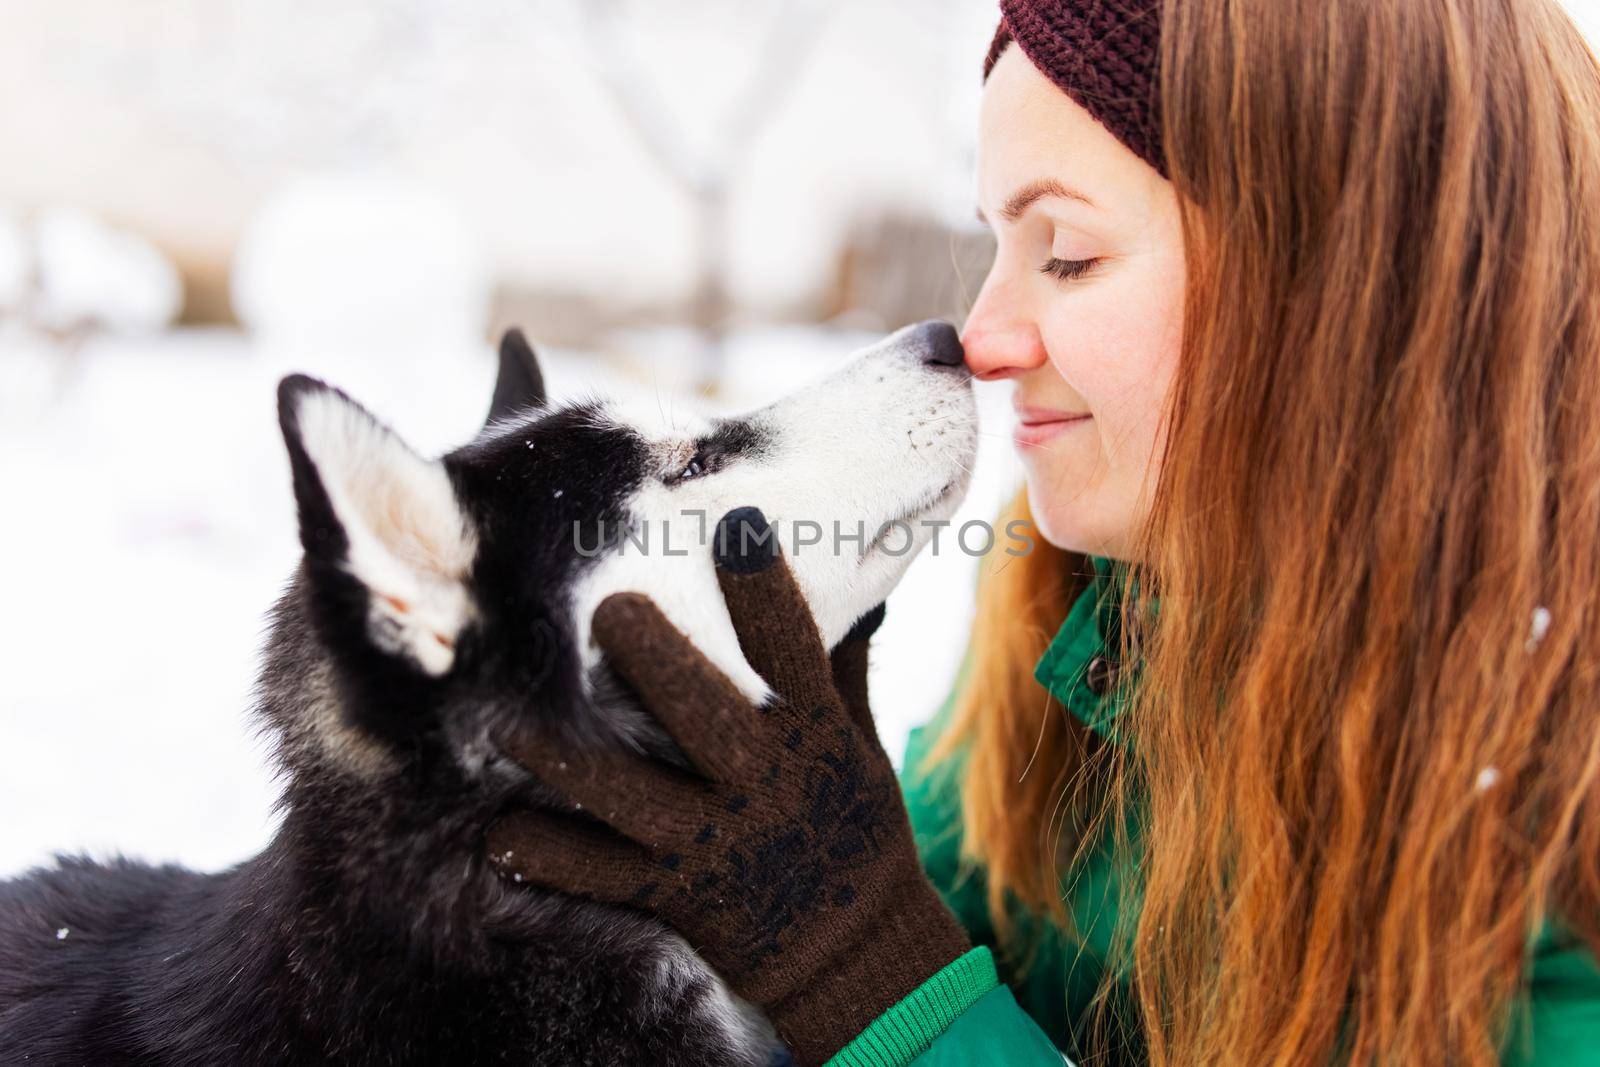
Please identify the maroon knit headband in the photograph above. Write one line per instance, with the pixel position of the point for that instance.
(1102, 53)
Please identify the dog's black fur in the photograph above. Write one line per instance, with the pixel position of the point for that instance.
(371, 930)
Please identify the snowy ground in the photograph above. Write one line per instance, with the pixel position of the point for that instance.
(149, 526)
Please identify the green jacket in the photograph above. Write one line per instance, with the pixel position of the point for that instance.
(970, 1013)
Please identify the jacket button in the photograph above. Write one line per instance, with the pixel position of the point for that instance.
(1099, 675)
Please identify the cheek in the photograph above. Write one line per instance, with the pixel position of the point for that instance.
(1117, 347)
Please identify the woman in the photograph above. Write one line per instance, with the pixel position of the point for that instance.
(1302, 305)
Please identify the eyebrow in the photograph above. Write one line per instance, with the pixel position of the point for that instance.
(1023, 198)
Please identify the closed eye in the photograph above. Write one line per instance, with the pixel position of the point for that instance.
(1068, 269)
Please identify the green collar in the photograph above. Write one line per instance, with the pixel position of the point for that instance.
(1086, 636)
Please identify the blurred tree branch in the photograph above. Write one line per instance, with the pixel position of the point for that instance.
(707, 176)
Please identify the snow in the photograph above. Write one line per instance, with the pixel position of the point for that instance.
(151, 526)
(91, 273)
(16, 262)
(66, 269)
(360, 262)
(1540, 627)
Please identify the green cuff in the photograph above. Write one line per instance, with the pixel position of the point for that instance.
(906, 1030)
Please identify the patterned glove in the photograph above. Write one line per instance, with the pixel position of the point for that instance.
(786, 858)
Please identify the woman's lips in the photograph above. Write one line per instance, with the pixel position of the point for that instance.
(1037, 426)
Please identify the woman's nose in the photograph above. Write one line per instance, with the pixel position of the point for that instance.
(1000, 340)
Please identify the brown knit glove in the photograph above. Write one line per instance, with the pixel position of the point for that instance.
(786, 859)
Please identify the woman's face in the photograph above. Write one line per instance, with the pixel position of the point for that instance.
(1083, 309)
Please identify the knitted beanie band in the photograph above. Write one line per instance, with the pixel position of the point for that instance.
(1102, 53)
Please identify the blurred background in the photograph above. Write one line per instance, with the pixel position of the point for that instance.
(701, 201)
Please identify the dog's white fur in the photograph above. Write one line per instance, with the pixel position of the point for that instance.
(410, 543)
(877, 440)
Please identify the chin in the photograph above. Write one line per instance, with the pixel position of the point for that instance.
(1078, 525)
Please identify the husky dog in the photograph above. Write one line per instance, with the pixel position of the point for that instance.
(439, 604)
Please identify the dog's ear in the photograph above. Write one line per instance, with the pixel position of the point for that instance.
(385, 535)
(519, 383)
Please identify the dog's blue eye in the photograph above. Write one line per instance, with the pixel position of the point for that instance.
(698, 464)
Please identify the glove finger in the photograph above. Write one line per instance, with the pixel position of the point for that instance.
(711, 721)
(848, 661)
(555, 852)
(776, 631)
(655, 805)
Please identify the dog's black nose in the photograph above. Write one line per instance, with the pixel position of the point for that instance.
(938, 344)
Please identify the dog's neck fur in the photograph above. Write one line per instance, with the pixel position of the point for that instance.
(387, 838)
(372, 891)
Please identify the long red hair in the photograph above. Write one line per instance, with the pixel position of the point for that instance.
(1366, 733)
